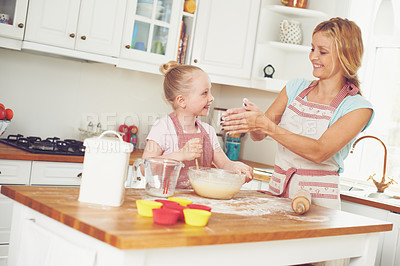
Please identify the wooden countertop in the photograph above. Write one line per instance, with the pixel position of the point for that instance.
(11, 153)
(250, 217)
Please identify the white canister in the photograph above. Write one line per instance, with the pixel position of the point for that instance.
(290, 32)
(105, 169)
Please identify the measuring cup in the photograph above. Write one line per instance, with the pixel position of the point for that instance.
(160, 175)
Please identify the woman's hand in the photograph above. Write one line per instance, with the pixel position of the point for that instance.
(247, 119)
(241, 168)
(192, 150)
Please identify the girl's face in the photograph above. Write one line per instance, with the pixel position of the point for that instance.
(323, 57)
(199, 99)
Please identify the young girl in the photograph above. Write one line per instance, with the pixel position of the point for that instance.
(180, 135)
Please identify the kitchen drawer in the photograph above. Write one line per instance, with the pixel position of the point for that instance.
(15, 172)
(3, 255)
(6, 206)
(55, 173)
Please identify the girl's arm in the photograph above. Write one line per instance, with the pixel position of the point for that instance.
(222, 161)
(190, 151)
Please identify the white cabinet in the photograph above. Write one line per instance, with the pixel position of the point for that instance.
(224, 39)
(12, 29)
(56, 173)
(151, 33)
(388, 253)
(5, 219)
(90, 26)
(289, 60)
(15, 172)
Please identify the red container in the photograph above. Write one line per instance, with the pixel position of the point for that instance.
(177, 207)
(167, 202)
(165, 216)
(199, 207)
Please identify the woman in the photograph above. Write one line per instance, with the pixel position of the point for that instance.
(314, 122)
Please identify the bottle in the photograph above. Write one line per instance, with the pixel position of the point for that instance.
(301, 202)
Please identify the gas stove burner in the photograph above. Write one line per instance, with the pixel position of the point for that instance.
(51, 145)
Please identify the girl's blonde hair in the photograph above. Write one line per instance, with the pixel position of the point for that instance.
(346, 36)
(177, 79)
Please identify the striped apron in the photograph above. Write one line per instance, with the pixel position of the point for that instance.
(206, 157)
(293, 172)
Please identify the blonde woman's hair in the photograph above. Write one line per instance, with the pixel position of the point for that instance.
(177, 79)
(346, 36)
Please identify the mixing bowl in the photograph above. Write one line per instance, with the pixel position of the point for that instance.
(215, 183)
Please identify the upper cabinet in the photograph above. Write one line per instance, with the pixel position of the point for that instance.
(224, 39)
(278, 43)
(151, 34)
(12, 23)
(90, 26)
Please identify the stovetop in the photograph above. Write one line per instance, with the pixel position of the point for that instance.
(53, 145)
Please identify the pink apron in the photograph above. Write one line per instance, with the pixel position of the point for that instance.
(293, 172)
(205, 159)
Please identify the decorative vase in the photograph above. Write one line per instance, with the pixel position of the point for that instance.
(290, 32)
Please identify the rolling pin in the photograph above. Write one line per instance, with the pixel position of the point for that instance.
(301, 202)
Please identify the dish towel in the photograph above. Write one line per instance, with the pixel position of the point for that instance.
(40, 247)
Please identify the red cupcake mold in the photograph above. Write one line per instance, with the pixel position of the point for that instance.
(199, 207)
(165, 216)
(177, 207)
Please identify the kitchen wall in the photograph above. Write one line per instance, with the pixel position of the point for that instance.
(55, 96)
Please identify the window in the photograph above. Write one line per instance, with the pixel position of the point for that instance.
(382, 88)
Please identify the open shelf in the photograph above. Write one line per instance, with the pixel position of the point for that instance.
(297, 12)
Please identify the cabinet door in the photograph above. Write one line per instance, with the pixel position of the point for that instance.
(55, 173)
(52, 22)
(225, 37)
(100, 26)
(151, 31)
(15, 172)
(5, 219)
(15, 10)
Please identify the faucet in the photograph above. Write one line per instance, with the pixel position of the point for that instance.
(381, 186)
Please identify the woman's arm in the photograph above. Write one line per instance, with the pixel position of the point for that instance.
(251, 116)
(333, 140)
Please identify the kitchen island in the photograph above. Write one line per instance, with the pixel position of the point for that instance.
(250, 229)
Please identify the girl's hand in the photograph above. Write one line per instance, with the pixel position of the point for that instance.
(192, 150)
(247, 119)
(241, 168)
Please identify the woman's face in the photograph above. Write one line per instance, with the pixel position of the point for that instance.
(323, 57)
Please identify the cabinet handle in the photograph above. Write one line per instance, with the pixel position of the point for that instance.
(79, 175)
(20, 25)
(72, 35)
(83, 37)
(0, 172)
(128, 46)
(195, 60)
(139, 178)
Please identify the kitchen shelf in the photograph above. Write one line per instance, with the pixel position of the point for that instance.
(297, 12)
(290, 47)
(268, 84)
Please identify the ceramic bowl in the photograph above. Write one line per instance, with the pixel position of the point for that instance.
(177, 207)
(145, 207)
(215, 183)
(181, 201)
(165, 216)
(199, 207)
(196, 217)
